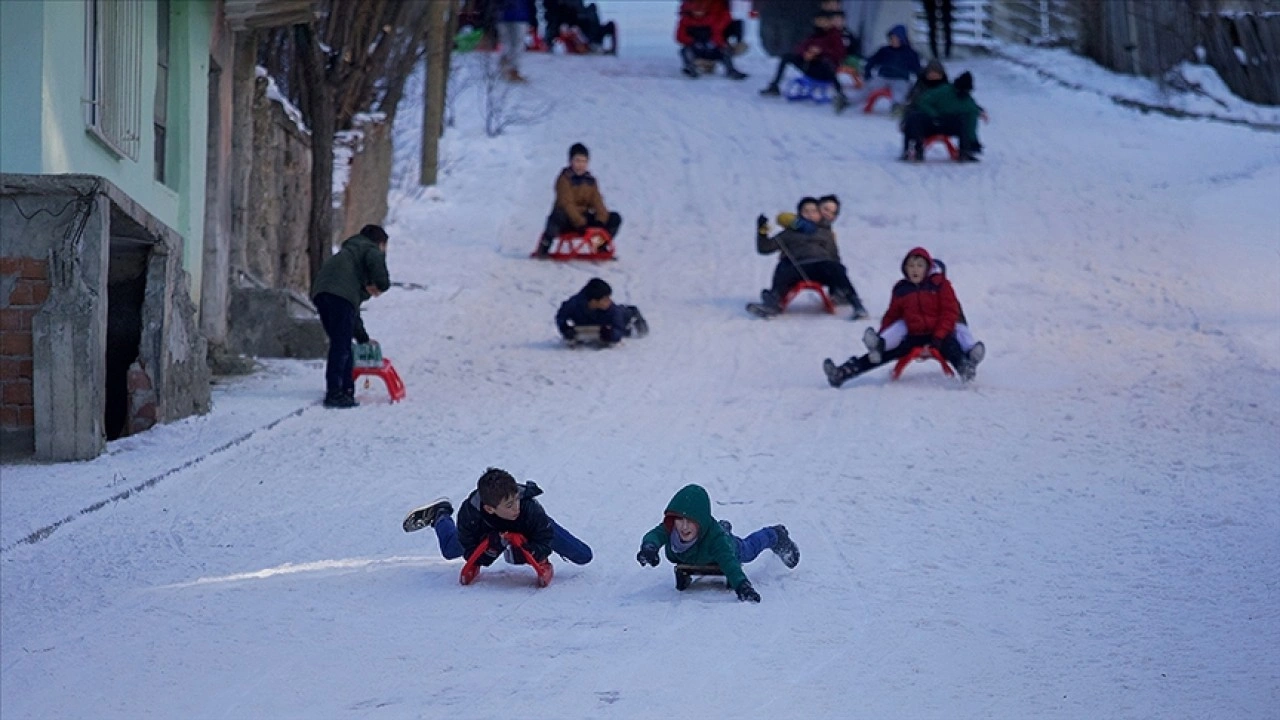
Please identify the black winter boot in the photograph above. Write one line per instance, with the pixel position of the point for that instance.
(785, 548)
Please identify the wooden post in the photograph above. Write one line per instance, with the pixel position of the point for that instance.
(434, 89)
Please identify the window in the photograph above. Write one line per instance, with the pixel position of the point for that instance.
(113, 73)
(162, 86)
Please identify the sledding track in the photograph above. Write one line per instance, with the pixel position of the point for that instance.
(1090, 531)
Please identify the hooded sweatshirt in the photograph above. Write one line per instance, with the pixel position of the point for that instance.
(928, 308)
(713, 546)
(898, 63)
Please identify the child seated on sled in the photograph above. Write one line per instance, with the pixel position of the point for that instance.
(498, 505)
(942, 108)
(927, 307)
(891, 67)
(692, 536)
(809, 252)
(594, 306)
(578, 204)
(818, 56)
(578, 25)
(893, 335)
(701, 34)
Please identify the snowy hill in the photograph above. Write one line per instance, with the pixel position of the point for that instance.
(1091, 530)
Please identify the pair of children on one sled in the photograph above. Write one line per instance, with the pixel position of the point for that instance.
(500, 509)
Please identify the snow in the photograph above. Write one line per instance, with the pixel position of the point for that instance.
(1090, 531)
(274, 94)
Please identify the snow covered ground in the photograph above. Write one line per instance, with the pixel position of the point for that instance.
(1090, 531)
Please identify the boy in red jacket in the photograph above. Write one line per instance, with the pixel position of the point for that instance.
(818, 56)
(926, 303)
(702, 34)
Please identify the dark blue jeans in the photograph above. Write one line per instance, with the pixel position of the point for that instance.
(757, 542)
(562, 542)
(339, 320)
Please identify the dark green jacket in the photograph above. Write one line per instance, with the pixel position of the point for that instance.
(945, 100)
(346, 273)
(714, 546)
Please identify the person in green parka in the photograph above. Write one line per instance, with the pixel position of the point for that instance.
(944, 109)
(347, 278)
(693, 537)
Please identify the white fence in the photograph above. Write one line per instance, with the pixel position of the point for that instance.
(980, 23)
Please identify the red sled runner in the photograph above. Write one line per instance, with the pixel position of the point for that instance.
(919, 354)
(471, 569)
(594, 243)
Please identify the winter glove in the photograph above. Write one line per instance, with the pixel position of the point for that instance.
(746, 593)
(496, 546)
(648, 555)
(762, 225)
(568, 332)
(361, 336)
(786, 219)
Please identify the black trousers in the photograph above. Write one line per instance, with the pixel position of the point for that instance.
(815, 69)
(827, 272)
(558, 222)
(917, 126)
(339, 320)
(948, 346)
(932, 10)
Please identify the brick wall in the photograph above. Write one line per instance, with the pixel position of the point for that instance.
(24, 286)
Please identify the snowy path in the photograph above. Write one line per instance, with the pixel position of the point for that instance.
(1090, 531)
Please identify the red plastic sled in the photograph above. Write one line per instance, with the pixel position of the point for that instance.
(945, 140)
(883, 93)
(594, 244)
(386, 371)
(545, 570)
(799, 287)
(918, 353)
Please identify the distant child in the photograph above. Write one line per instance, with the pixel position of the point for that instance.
(498, 505)
(347, 278)
(892, 66)
(578, 204)
(943, 108)
(594, 306)
(693, 537)
(818, 56)
(927, 307)
(703, 35)
(806, 255)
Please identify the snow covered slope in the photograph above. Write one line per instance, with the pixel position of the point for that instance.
(1090, 531)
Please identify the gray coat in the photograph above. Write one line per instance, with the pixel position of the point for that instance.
(803, 248)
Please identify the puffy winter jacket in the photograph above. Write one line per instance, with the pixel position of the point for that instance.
(574, 311)
(713, 546)
(575, 194)
(829, 44)
(804, 247)
(474, 524)
(900, 63)
(928, 308)
(702, 21)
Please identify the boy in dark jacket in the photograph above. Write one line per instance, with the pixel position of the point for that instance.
(578, 203)
(498, 505)
(927, 304)
(701, 34)
(818, 56)
(809, 252)
(594, 306)
(893, 66)
(347, 278)
(692, 536)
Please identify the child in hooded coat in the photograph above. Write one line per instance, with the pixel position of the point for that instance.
(927, 304)
(693, 537)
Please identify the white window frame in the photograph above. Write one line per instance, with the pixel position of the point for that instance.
(113, 74)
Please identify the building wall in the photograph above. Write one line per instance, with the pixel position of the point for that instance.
(43, 119)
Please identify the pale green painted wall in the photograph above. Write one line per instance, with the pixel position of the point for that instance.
(20, 67)
(60, 138)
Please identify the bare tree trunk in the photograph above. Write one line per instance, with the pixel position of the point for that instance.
(434, 90)
(323, 121)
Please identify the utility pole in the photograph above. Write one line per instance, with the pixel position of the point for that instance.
(439, 40)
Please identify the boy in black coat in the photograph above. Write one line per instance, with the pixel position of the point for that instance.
(594, 306)
(498, 505)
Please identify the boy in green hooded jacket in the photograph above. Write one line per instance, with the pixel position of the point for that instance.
(693, 537)
(357, 272)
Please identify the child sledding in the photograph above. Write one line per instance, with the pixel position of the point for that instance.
(809, 255)
(923, 316)
(703, 35)
(591, 316)
(500, 518)
(580, 224)
(699, 544)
